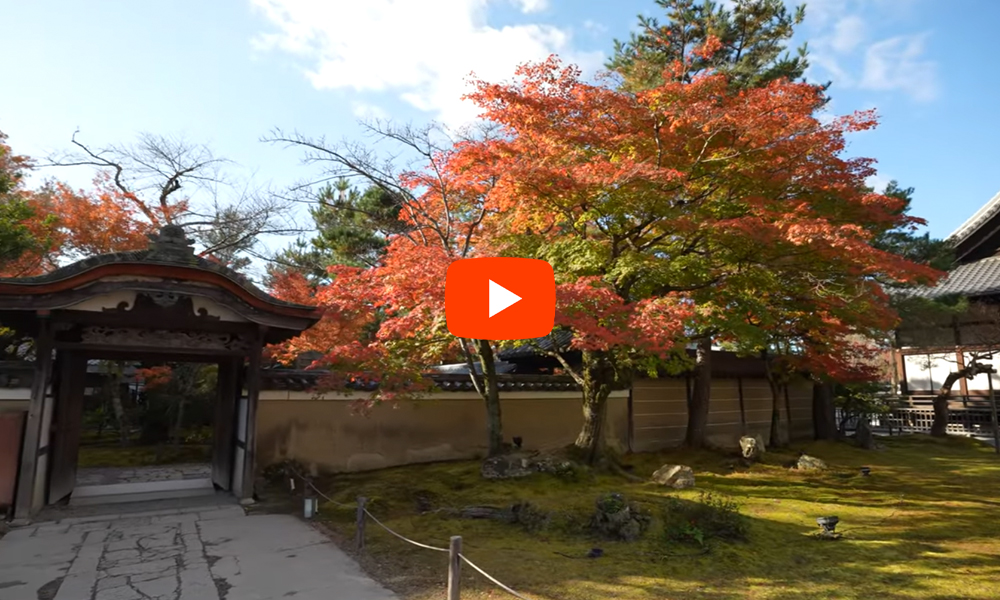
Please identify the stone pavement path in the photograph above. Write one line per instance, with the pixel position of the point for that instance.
(218, 553)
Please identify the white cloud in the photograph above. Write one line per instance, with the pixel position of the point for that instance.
(898, 63)
(594, 27)
(421, 52)
(878, 182)
(842, 50)
(848, 33)
(532, 6)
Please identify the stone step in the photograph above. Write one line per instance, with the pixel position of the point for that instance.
(138, 492)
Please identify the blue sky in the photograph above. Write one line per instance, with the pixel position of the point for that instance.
(226, 72)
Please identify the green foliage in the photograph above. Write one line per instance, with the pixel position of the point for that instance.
(905, 242)
(865, 399)
(352, 228)
(711, 517)
(231, 235)
(15, 237)
(192, 384)
(754, 37)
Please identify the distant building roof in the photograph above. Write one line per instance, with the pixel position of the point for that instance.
(977, 237)
(979, 278)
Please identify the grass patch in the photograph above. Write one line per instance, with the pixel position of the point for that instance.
(112, 454)
(923, 525)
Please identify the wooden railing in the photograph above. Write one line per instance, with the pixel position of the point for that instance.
(973, 421)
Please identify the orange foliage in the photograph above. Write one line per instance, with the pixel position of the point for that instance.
(153, 377)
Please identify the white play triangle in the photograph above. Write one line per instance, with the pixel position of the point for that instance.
(501, 298)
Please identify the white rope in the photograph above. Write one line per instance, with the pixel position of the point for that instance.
(405, 539)
(415, 543)
(491, 578)
(318, 491)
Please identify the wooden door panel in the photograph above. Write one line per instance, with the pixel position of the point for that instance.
(223, 437)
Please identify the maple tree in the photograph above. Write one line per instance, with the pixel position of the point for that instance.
(749, 48)
(383, 321)
(667, 196)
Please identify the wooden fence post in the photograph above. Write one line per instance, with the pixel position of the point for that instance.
(454, 567)
(359, 532)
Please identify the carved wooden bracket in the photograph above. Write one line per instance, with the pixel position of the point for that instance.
(159, 338)
(156, 305)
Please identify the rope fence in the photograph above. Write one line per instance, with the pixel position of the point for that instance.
(455, 556)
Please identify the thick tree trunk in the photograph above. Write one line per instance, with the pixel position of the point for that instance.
(598, 378)
(824, 415)
(698, 402)
(774, 439)
(179, 423)
(491, 396)
(939, 427)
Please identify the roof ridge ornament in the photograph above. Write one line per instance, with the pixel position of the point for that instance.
(171, 245)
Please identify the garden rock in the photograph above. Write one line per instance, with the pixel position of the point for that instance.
(616, 518)
(752, 447)
(675, 476)
(810, 463)
(522, 464)
(863, 436)
(507, 466)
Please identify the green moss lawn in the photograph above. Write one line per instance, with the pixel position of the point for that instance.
(106, 451)
(925, 525)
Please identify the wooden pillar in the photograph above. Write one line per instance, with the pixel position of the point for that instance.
(36, 429)
(253, 394)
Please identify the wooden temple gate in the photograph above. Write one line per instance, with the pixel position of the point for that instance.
(163, 303)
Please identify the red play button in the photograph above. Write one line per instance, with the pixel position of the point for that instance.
(500, 298)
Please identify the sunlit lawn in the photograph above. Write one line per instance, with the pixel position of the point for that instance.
(923, 525)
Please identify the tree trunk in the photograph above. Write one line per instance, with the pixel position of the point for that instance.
(939, 427)
(491, 395)
(774, 440)
(824, 415)
(179, 423)
(697, 403)
(598, 377)
(124, 426)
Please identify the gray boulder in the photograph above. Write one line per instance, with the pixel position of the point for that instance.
(522, 464)
(752, 447)
(617, 518)
(507, 466)
(810, 463)
(675, 476)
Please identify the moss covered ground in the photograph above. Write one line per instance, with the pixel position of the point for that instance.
(107, 451)
(923, 525)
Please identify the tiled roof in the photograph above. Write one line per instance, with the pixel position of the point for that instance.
(559, 339)
(293, 379)
(974, 222)
(980, 278)
(169, 248)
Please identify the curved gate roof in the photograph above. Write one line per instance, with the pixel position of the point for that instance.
(168, 266)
